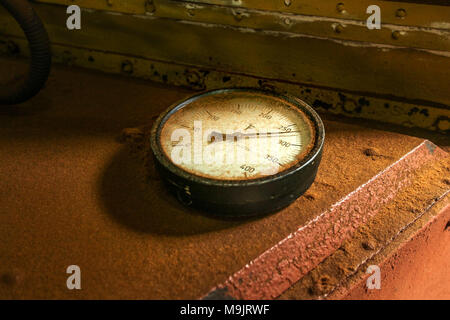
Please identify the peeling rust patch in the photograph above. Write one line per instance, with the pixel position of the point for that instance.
(322, 104)
(195, 79)
(127, 67)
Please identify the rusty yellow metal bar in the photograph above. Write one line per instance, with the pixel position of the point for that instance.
(344, 65)
(323, 100)
(419, 14)
(425, 14)
(391, 82)
(418, 37)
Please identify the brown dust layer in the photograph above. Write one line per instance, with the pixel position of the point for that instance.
(72, 193)
(381, 238)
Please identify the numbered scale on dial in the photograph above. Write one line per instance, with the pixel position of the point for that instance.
(238, 152)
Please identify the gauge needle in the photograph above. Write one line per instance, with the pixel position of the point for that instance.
(239, 135)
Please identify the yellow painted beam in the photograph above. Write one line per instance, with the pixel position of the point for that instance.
(335, 28)
(393, 12)
(344, 65)
(385, 82)
(324, 100)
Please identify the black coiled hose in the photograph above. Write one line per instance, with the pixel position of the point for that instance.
(30, 84)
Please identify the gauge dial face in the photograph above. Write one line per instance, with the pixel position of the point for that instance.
(236, 136)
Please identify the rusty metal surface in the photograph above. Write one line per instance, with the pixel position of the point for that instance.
(70, 193)
(417, 264)
(418, 13)
(318, 26)
(337, 102)
(360, 67)
(278, 268)
(381, 78)
(412, 253)
(425, 14)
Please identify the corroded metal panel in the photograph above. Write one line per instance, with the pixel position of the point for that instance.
(197, 78)
(344, 65)
(425, 13)
(318, 26)
(402, 80)
(278, 268)
(419, 14)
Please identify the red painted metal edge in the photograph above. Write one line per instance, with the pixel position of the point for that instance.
(341, 292)
(278, 268)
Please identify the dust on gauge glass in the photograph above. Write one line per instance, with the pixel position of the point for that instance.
(236, 136)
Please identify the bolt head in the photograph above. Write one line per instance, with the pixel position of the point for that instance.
(400, 13)
(340, 7)
(127, 67)
(149, 6)
(396, 35)
(339, 28)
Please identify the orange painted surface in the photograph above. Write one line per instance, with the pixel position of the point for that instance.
(420, 269)
(71, 193)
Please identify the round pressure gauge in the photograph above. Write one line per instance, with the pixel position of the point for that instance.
(238, 152)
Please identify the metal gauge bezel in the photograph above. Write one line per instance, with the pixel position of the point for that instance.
(308, 111)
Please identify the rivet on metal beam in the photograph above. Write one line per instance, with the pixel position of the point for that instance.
(190, 9)
(194, 79)
(238, 14)
(396, 35)
(149, 6)
(400, 13)
(339, 28)
(127, 67)
(340, 7)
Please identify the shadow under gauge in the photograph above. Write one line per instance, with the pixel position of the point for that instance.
(143, 204)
